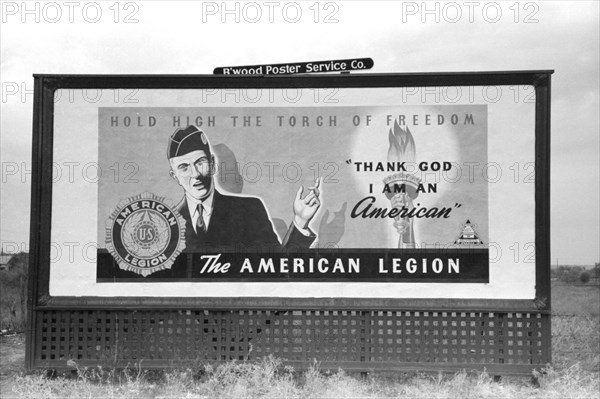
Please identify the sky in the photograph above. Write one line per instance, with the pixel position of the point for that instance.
(185, 37)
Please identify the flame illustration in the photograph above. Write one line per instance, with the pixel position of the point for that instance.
(402, 145)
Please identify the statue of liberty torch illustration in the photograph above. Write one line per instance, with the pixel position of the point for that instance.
(401, 188)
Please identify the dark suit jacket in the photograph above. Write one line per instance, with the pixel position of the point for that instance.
(239, 223)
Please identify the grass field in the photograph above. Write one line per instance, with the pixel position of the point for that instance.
(575, 372)
(575, 299)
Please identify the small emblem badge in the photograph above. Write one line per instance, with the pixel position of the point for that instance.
(468, 235)
(145, 234)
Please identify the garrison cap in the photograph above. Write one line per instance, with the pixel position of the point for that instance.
(187, 140)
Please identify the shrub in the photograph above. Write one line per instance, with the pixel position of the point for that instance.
(584, 277)
(13, 294)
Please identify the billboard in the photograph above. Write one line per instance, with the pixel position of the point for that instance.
(400, 219)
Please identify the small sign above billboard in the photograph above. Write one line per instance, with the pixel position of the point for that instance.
(351, 64)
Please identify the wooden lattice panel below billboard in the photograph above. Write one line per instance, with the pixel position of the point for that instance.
(359, 340)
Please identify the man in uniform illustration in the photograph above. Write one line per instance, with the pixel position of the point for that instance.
(215, 219)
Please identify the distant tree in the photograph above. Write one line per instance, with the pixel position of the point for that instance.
(560, 272)
(597, 270)
(571, 275)
(584, 277)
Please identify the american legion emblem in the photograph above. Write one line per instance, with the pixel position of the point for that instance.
(145, 234)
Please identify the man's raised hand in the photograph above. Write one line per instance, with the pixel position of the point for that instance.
(306, 208)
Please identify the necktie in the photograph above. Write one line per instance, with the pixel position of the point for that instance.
(200, 226)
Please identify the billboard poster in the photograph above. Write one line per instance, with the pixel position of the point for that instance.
(380, 194)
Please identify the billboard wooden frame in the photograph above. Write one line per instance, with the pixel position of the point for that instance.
(40, 301)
